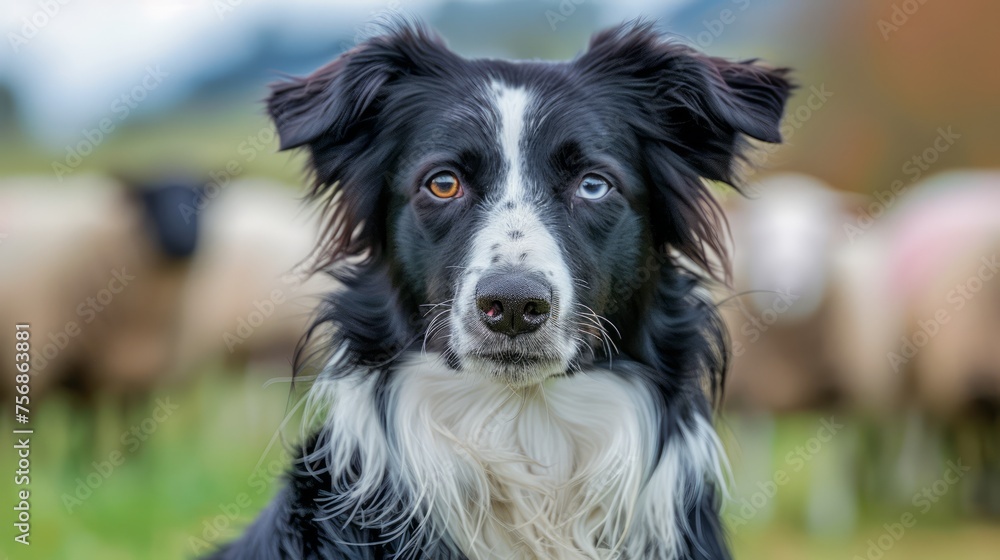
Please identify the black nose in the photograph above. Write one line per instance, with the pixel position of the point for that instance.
(513, 304)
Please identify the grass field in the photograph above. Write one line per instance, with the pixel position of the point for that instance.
(202, 459)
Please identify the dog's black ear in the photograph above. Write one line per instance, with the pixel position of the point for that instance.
(336, 113)
(327, 101)
(336, 99)
(703, 107)
(693, 116)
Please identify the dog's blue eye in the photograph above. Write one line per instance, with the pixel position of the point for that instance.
(593, 187)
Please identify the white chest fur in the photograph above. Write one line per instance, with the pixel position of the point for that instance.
(562, 470)
(552, 471)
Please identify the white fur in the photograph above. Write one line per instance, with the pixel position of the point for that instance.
(347, 408)
(551, 466)
(512, 107)
(562, 469)
(535, 250)
(689, 464)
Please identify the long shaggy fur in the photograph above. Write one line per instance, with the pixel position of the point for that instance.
(423, 446)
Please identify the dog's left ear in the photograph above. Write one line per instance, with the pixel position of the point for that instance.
(693, 116)
(703, 107)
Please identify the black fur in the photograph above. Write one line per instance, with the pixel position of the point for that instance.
(655, 116)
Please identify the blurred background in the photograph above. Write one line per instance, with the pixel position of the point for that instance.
(151, 236)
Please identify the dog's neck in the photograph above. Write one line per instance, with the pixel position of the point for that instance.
(564, 469)
(532, 473)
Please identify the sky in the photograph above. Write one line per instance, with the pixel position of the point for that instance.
(71, 63)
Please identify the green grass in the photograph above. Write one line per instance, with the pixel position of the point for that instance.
(198, 467)
(196, 462)
(198, 140)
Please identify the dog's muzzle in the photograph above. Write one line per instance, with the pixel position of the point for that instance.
(513, 303)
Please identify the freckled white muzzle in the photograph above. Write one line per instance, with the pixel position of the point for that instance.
(511, 314)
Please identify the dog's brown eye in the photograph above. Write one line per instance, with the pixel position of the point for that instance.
(445, 185)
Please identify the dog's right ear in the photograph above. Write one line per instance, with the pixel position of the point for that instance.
(335, 99)
(325, 102)
(336, 114)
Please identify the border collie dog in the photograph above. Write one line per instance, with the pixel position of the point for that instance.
(523, 357)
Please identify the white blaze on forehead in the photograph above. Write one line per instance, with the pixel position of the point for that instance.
(513, 236)
(512, 108)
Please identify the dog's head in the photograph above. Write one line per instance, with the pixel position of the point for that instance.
(523, 208)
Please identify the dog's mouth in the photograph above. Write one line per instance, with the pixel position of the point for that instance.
(515, 358)
(516, 369)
